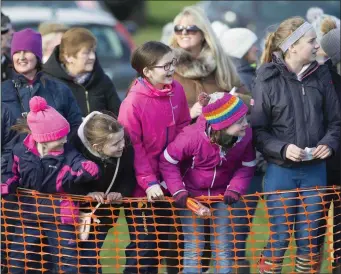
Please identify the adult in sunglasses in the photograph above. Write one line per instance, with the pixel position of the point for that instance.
(202, 64)
(6, 39)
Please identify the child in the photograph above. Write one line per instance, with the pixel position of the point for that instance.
(44, 163)
(101, 139)
(296, 122)
(153, 113)
(221, 161)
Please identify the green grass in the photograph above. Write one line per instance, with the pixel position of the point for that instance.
(159, 13)
(113, 256)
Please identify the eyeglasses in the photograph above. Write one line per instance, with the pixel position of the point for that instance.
(167, 66)
(178, 29)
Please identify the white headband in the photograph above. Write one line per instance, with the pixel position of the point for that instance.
(297, 34)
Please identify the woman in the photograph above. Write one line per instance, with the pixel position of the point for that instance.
(296, 122)
(29, 80)
(202, 65)
(75, 63)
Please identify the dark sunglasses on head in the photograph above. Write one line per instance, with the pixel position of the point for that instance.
(178, 29)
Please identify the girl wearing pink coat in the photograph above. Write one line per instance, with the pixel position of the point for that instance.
(212, 157)
(153, 113)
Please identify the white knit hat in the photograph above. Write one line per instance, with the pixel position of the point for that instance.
(237, 41)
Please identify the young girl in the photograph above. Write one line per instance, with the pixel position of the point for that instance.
(101, 139)
(153, 113)
(44, 163)
(296, 122)
(212, 157)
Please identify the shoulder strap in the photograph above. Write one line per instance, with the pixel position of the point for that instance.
(111, 184)
(23, 112)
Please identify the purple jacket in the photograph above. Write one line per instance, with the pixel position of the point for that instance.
(191, 162)
(54, 173)
(152, 119)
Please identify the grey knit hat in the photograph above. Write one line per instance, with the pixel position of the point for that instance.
(330, 43)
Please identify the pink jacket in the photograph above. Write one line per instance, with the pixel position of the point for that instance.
(152, 119)
(205, 170)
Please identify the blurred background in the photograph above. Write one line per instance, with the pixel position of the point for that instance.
(120, 26)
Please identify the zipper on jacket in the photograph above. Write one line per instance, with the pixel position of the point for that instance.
(214, 175)
(87, 100)
(303, 91)
(305, 114)
(170, 101)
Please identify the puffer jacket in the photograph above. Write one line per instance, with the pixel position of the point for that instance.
(125, 182)
(56, 94)
(7, 134)
(98, 93)
(152, 119)
(287, 110)
(191, 162)
(50, 174)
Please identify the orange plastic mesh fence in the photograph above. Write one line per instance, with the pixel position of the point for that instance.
(41, 234)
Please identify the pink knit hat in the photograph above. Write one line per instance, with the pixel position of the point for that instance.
(45, 123)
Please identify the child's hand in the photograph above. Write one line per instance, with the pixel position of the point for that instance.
(181, 198)
(114, 197)
(231, 197)
(9, 188)
(154, 192)
(196, 110)
(90, 167)
(98, 196)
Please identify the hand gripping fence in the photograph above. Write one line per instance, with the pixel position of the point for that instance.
(279, 232)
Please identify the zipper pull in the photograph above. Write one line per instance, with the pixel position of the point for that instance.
(303, 91)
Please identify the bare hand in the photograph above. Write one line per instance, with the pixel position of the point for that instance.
(322, 152)
(98, 196)
(196, 110)
(294, 153)
(114, 197)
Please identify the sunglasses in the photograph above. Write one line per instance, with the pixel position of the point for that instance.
(178, 29)
(167, 66)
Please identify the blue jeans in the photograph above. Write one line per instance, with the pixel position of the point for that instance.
(220, 239)
(243, 212)
(61, 240)
(300, 210)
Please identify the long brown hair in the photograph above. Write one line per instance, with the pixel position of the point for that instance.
(220, 138)
(274, 39)
(21, 126)
(99, 129)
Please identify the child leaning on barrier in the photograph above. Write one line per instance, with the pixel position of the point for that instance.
(101, 139)
(43, 162)
(212, 157)
(153, 113)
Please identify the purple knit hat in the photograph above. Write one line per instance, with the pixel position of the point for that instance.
(28, 40)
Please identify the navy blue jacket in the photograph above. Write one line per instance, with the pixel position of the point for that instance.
(56, 94)
(50, 174)
(246, 72)
(7, 134)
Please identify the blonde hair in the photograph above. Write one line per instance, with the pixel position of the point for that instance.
(99, 129)
(274, 39)
(225, 75)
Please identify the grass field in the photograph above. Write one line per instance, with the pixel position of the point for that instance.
(159, 13)
(112, 256)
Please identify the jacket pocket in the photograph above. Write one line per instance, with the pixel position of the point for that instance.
(69, 212)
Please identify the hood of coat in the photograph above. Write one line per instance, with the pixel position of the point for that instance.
(54, 67)
(278, 66)
(195, 68)
(80, 133)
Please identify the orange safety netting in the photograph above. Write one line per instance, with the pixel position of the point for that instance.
(135, 236)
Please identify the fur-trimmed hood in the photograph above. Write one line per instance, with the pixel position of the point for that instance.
(195, 68)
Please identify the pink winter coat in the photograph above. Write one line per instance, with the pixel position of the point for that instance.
(204, 169)
(152, 119)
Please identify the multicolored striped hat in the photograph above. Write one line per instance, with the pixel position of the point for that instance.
(223, 110)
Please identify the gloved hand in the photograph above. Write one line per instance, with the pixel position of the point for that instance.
(181, 198)
(90, 167)
(231, 197)
(154, 192)
(9, 189)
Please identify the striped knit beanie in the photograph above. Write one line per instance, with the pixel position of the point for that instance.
(223, 110)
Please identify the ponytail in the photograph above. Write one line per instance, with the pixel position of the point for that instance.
(269, 48)
(21, 126)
